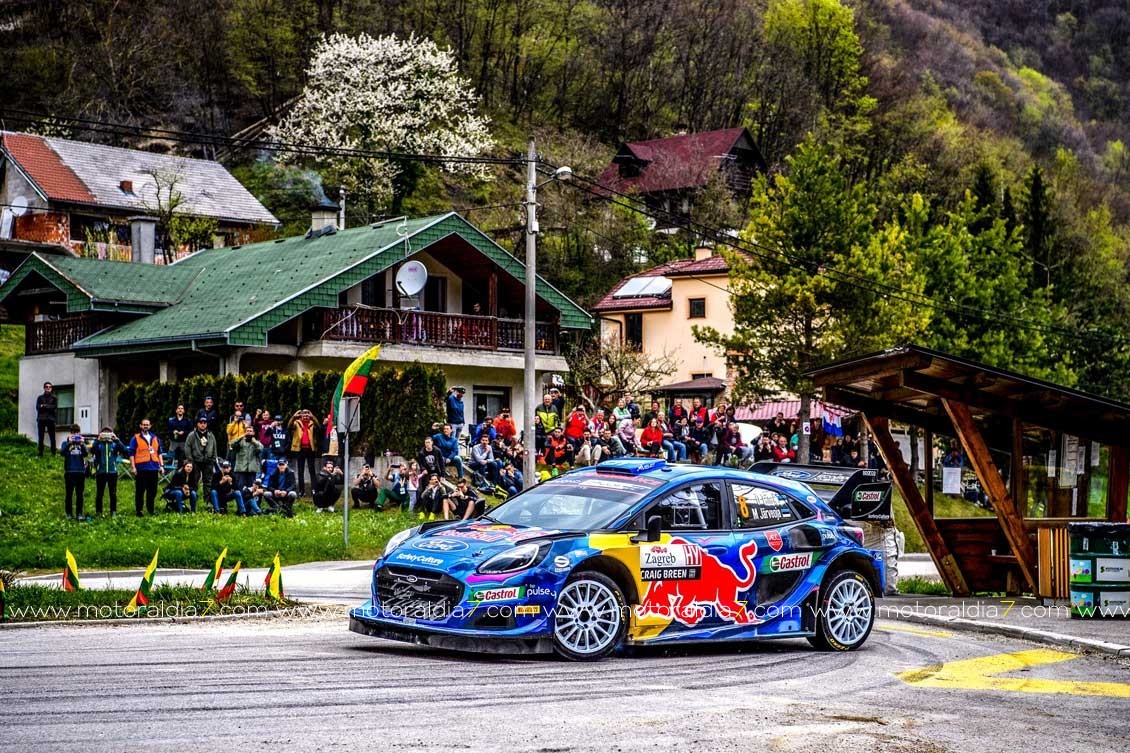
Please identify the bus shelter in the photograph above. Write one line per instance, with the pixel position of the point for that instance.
(1044, 455)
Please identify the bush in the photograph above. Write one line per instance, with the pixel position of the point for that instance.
(397, 409)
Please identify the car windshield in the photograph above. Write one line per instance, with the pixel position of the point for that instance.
(583, 502)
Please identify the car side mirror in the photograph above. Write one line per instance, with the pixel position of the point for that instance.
(653, 532)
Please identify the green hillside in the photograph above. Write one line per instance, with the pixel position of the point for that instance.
(11, 348)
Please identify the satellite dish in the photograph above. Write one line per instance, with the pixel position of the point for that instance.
(411, 277)
(19, 206)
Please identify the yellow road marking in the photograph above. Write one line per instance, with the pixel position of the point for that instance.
(984, 674)
(888, 627)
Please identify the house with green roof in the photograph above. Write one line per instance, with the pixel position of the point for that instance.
(289, 305)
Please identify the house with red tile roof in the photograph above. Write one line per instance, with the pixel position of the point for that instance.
(77, 198)
(656, 310)
(667, 173)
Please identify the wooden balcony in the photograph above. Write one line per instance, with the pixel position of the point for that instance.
(427, 328)
(58, 335)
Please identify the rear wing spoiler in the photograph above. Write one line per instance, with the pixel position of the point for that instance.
(854, 493)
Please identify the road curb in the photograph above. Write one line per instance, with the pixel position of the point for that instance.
(303, 611)
(1012, 631)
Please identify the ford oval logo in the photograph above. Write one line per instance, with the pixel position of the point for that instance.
(409, 578)
(440, 545)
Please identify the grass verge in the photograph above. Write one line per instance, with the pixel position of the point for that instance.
(36, 603)
(924, 586)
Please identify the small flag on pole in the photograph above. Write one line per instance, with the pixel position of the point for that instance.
(70, 574)
(273, 581)
(214, 575)
(3, 601)
(229, 588)
(141, 598)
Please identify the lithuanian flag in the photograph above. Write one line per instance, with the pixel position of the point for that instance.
(141, 598)
(70, 574)
(3, 601)
(229, 588)
(353, 381)
(214, 575)
(273, 581)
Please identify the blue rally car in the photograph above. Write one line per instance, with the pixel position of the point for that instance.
(638, 552)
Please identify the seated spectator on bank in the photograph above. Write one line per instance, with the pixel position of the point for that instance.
(364, 489)
(677, 412)
(396, 493)
(727, 437)
(255, 497)
(430, 459)
(432, 498)
(854, 460)
(448, 444)
(675, 448)
(182, 486)
(588, 450)
(281, 489)
(558, 452)
(483, 460)
(782, 453)
(698, 440)
(505, 427)
(326, 489)
(463, 503)
(626, 432)
(226, 489)
(610, 445)
(509, 479)
(764, 448)
(651, 439)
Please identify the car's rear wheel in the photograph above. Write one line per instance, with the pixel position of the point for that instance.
(847, 613)
(590, 621)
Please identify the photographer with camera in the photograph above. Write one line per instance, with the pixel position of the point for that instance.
(106, 450)
(182, 486)
(74, 471)
(364, 489)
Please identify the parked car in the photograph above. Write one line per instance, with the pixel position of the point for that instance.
(630, 552)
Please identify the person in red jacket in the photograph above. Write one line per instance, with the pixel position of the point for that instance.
(782, 453)
(558, 452)
(575, 425)
(504, 426)
(651, 440)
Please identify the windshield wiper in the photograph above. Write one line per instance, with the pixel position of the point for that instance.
(492, 520)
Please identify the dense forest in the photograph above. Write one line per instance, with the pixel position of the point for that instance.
(978, 147)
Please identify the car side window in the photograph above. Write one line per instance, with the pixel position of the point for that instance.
(695, 508)
(757, 507)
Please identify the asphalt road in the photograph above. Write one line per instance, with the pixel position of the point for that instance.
(308, 684)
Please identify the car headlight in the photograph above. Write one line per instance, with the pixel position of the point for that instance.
(398, 539)
(518, 558)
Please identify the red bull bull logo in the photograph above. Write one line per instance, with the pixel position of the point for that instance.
(707, 587)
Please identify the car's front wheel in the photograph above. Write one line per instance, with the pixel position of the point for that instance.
(590, 621)
(847, 613)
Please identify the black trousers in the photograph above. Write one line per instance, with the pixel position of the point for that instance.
(305, 458)
(102, 482)
(145, 490)
(75, 484)
(46, 428)
(326, 498)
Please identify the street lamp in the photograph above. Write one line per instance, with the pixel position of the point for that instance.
(529, 466)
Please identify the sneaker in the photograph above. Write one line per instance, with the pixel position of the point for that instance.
(330, 508)
(421, 516)
(318, 509)
(431, 516)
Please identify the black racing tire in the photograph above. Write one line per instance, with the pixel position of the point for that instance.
(590, 618)
(847, 612)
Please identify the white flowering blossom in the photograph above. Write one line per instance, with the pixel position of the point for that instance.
(387, 94)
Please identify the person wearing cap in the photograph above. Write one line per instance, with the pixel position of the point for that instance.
(397, 491)
(253, 495)
(456, 416)
(281, 489)
(698, 441)
(279, 441)
(224, 490)
(246, 453)
(201, 448)
(558, 401)
(325, 490)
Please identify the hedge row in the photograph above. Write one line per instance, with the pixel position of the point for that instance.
(397, 409)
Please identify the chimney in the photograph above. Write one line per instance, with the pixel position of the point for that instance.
(143, 239)
(323, 214)
(703, 252)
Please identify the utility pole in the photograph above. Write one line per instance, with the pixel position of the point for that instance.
(530, 384)
(341, 212)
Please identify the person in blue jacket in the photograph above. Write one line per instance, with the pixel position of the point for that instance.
(456, 415)
(74, 471)
(448, 444)
(106, 450)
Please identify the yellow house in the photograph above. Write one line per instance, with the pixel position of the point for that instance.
(656, 309)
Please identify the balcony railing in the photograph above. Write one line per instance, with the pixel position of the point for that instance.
(427, 328)
(58, 335)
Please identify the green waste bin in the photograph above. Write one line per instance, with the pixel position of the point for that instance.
(1100, 569)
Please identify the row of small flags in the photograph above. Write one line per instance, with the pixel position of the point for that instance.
(273, 581)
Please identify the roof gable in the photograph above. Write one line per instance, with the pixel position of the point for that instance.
(711, 266)
(43, 167)
(676, 162)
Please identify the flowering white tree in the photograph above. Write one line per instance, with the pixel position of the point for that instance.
(386, 94)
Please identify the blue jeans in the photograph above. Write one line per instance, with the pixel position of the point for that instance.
(489, 469)
(176, 496)
(675, 450)
(228, 498)
(456, 461)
